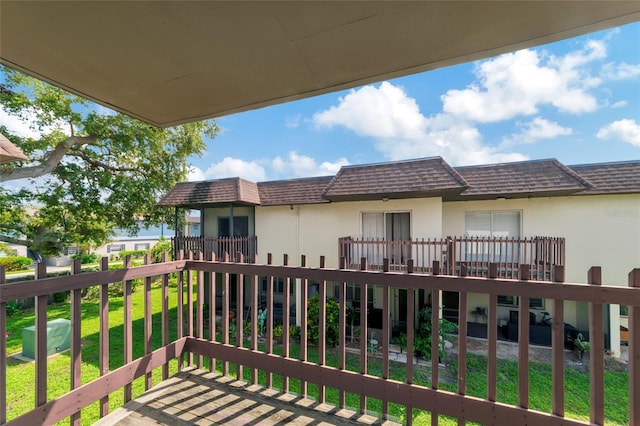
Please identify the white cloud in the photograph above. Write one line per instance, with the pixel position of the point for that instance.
(301, 166)
(619, 104)
(622, 71)
(535, 130)
(519, 83)
(379, 112)
(230, 167)
(387, 114)
(625, 130)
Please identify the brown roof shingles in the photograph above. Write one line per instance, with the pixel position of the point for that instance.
(231, 190)
(427, 177)
(294, 191)
(521, 179)
(611, 178)
(400, 179)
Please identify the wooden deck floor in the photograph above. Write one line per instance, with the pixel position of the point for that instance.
(197, 397)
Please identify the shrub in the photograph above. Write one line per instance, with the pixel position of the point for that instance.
(15, 263)
(158, 249)
(332, 320)
(135, 254)
(422, 336)
(86, 257)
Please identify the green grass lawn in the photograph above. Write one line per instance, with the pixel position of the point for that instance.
(21, 390)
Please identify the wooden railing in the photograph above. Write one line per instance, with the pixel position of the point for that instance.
(247, 246)
(199, 343)
(452, 253)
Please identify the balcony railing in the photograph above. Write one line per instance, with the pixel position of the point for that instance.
(200, 343)
(247, 246)
(454, 254)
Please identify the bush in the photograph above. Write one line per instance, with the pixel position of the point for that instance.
(86, 257)
(15, 263)
(332, 320)
(158, 250)
(135, 254)
(422, 336)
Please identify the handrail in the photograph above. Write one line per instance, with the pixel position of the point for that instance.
(228, 350)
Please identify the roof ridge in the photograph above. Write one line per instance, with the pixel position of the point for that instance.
(572, 173)
(454, 173)
(609, 163)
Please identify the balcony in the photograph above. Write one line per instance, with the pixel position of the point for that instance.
(217, 246)
(182, 339)
(469, 256)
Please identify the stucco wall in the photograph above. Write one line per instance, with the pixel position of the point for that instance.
(314, 229)
(599, 231)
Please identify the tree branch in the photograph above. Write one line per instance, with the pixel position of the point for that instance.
(101, 164)
(51, 160)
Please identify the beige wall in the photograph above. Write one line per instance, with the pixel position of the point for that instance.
(599, 231)
(314, 229)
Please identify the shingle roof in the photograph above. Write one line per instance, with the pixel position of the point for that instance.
(521, 179)
(9, 152)
(231, 190)
(294, 191)
(399, 179)
(611, 178)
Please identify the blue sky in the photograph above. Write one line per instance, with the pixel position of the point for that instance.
(577, 100)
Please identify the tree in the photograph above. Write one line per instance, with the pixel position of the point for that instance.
(90, 170)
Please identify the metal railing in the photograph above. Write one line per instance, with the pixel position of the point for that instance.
(475, 254)
(201, 343)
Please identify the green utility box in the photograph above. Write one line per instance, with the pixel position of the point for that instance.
(58, 338)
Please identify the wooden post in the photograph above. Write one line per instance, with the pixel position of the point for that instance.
(557, 348)
(76, 336)
(596, 355)
(634, 353)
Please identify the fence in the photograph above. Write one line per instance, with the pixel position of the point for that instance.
(247, 246)
(200, 343)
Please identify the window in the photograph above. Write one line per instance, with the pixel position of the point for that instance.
(70, 251)
(491, 224)
(387, 226)
(534, 303)
(114, 248)
(141, 246)
(240, 226)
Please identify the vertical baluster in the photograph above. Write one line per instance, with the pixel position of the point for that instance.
(225, 313)
(128, 327)
(435, 331)
(180, 308)
(76, 336)
(342, 323)
(269, 318)
(385, 336)
(41, 340)
(212, 308)
(190, 313)
(239, 314)
(634, 353)
(523, 343)
(492, 337)
(322, 330)
(165, 314)
(104, 334)
(148, 326)
(411, 315)
(286, 303)
(304, 287)
(462, 347)
(557, 348)
(596, 355)
(363, 332)
(254, 319)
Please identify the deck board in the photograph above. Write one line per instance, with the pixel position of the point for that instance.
(197, 397)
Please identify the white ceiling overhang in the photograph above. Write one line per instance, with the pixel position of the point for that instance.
(171, 62)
